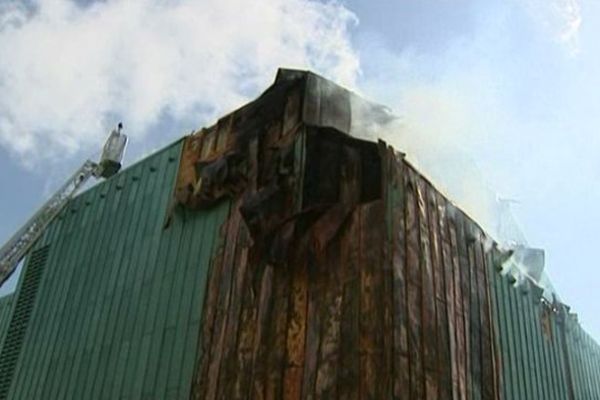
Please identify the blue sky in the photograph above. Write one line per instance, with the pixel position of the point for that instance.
(494, 96)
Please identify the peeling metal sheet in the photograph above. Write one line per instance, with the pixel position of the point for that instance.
(358, 280)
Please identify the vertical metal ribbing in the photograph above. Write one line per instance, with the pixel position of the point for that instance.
(17, 327)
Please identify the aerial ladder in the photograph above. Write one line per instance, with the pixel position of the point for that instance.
(22, 241)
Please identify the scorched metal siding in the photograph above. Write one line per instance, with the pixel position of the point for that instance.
(346, 275)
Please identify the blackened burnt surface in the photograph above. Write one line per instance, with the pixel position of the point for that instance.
(323, 170)
(342, 272)
(329, 154)
(288, 161)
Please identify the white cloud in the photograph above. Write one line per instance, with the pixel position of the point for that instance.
(67, 72)
(561, 19)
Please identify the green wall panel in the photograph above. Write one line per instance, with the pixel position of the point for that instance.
(531, 360)
(117, 312)
(5, 309)
(584, 355)
(537, 362)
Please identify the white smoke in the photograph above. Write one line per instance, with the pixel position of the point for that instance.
(456, 106)
(470, 107)
(69, 71)
(440, 125)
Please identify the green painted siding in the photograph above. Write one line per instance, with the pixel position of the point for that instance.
(20, 317)
(531, 361)
(537, 362)
(584, 354)
(117, 311)
(5, 308)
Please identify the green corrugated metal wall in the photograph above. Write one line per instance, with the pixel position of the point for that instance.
(584, 355)
(537, 361)
(117, 311)
(5, 307)
(20, 317)
(531, 362)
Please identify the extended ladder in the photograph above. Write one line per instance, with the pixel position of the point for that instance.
(21, 242)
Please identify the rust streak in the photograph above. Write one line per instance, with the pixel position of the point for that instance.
(429, 333)
(326, 378)
(349, 361)
(296, 334)
(414, 299)
(223, 304)
(398, 243)
(447, 265)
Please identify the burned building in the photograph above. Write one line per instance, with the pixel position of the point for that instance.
(274, 255)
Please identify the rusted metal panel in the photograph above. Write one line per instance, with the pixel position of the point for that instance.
(414, 297)
(349, 359)
(299, 349)
(429, 336)
(230, 345)
(374, 383)
(313, 331)
(343, 272)
(444, 362)
(387, 276)
(486, 380)
(475, 334)
(448, 271)
(275, 337)
(491, 370)
(460, 322)
(241, 359)
(296, 334)
(222, 302)
(328, 359)
(396, 218)
(465, 288)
